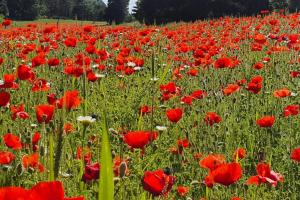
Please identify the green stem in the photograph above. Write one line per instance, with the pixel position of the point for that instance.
(207, 193)
(51, 155)
(58, 151)
(82, 158)
(84, 93)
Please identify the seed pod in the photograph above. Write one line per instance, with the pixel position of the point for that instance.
(42, 151)
(123, 168)
(19, 169)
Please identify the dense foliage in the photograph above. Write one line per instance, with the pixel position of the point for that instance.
(22, 10)
(163, 11)
(116, 11)
(70, 9)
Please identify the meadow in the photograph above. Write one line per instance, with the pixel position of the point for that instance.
(203, 110)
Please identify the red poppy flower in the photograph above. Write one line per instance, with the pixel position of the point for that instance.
(260, 38)
(174, 115)
(184, 143)
(182, 191)
(90, 49)
(70, 42)
(145, 110)
(49, 29)
(295, 74)
(224, 174)
(230, 89)
(50, 191)
(212, 118)
(6, 22)
(198, 94)
(40, 85)
(255, 85)
(18, 111)
(223, 63)
(70, 100)
(170, 88)
(4, 98)
(91, 76)
(192, 72)
(157, 182)
(12, 141)
(68, 128)
(212, 161)
(239, 153)
(53, 62)
(6, 158)
(295, 155)
(265, 175)
(197, 156)
(9, 82)
(36, 137)
(44, 113)
(291, 110)
(86, 152)
(187, 100)
(88, 28)
(91, 172)
(258, 65)
(41, 191)
(25, 73)
(13, 193)
(266, 121)
(241, 82)
(139, 139)
(32, 161)
(38, 60)
(282, 93)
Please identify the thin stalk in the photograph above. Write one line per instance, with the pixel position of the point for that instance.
(51, 156)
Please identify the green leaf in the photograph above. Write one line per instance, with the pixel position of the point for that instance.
(106, 186)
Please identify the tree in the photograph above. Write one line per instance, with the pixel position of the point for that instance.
(22, 9)
(146, 10)
(255, 6)
(279, 4)
(116, 11)
(79, 9)
(3, 8)
(294, 5)
(42, 8)
(94, 9)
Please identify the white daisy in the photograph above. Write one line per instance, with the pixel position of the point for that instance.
(161, 128)
(86, 120)
(137, 68)
(100, 75)
(95, 66)
(131, 64)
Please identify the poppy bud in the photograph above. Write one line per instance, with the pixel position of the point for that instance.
(19, 169)
(168, 171)
(123, 168)
(42, 151)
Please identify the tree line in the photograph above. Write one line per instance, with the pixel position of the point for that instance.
(68, 9)
(146, 11)
(163, 11)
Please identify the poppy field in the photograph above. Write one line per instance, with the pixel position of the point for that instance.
(205, 110)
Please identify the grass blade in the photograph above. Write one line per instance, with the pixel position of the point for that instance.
(106, 186)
